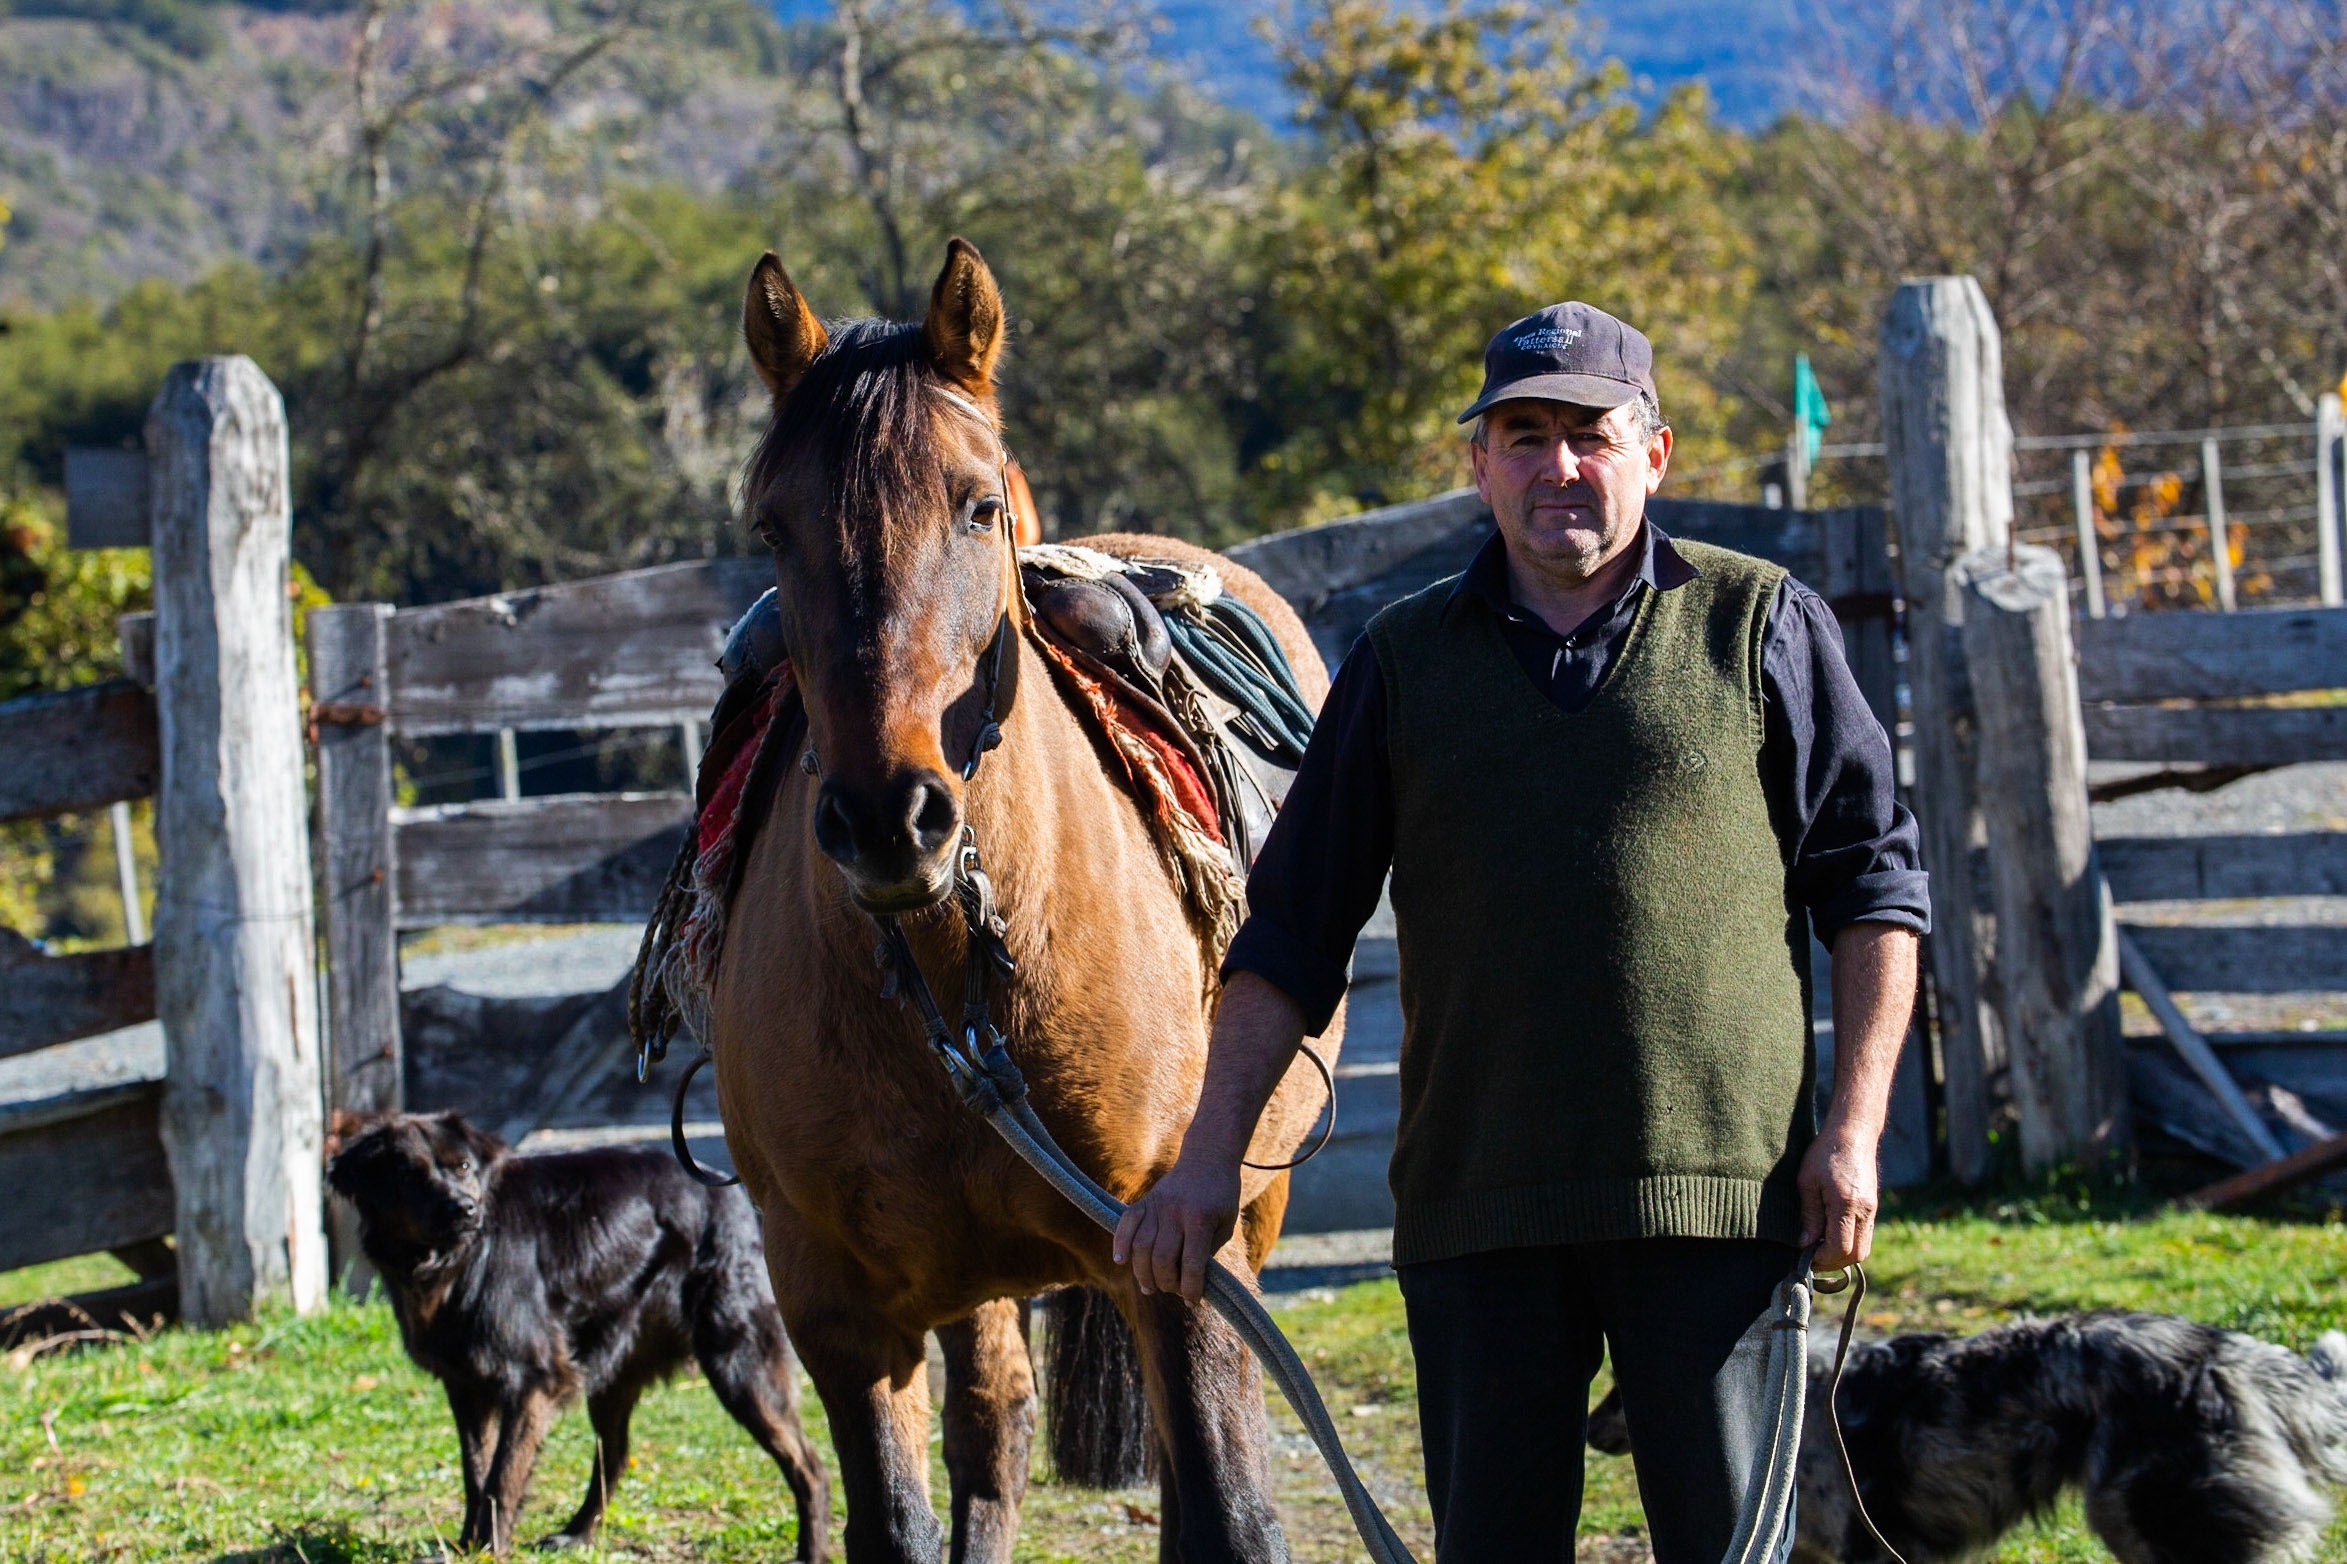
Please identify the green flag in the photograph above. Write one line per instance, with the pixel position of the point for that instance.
(1809, 409)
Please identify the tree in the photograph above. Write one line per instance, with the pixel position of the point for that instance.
(1472, 164)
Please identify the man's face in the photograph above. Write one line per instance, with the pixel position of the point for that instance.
(1568, 485)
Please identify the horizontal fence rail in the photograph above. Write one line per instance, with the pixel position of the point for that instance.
(60, 999)
(2244, 958)
(2210, 868)
(580, 858)
(87, 1167)
(100, 1156)
(633, 650)
(2204, 656)
(79, 749)
(2217, 735)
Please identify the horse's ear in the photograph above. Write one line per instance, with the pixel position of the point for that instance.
(784, 335)
(964, 327)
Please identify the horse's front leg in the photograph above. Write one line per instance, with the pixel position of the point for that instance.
(874, 1381)
(989, 1422)
(1207, 1395)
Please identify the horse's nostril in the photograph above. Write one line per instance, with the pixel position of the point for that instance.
(935, 818)
(834, 833)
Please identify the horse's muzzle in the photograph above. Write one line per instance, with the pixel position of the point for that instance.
(894, 842)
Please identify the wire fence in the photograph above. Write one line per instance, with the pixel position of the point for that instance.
(2147, 499)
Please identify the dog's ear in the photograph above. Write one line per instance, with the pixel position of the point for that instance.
(342, 1126)
(485, 1146)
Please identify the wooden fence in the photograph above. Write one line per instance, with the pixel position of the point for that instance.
(2012, 699)
(234, 1129)
(88, 1166)
(637, 650)
(223, 1153)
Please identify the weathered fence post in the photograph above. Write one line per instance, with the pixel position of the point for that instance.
(348, 672)
(2057, 949)
(235, 971)
(1941, 379)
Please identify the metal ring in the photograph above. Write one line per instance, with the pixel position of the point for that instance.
(1328, 1131)
(676, 1132)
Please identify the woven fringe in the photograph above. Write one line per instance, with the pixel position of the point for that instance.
(1211, 887)
(676, 966)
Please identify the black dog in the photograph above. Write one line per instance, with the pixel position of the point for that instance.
(2189, 1444)
(521, 1282)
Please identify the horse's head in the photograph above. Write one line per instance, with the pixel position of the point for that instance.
(880, 488)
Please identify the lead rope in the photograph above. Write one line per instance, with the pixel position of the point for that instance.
(1853, 1278)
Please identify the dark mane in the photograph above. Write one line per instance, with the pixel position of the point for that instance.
(859, 417)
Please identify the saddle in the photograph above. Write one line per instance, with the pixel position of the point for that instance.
(1189, 655)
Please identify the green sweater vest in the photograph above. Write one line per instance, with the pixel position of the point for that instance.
(1605, 1033)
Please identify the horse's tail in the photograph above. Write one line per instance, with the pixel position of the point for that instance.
(1099, 1413)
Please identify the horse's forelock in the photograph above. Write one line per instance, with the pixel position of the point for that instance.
(859, 417)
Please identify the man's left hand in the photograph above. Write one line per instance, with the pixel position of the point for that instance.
(1839, 1196)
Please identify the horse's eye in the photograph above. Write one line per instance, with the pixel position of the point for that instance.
(985, 513)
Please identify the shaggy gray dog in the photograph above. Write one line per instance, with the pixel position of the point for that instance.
(2189, 1444)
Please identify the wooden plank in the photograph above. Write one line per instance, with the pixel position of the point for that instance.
(2168, 1097)
(616, 651)
(1940, 375)
(235, 959)
(2057, 961)
(348, 674)
(105, 497)
(56, 999)
(1855, 578)
(2301, 1166)
(2146, 977)
(1307, 565)
(589, 1051)
(2218, 735)
(1786, 537)
(2195, 868)
(2245, 958)
(575, 858)
(88, 1172)
(77, 749)
(2187, 655)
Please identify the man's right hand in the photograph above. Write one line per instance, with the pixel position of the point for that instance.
(1171, 1234)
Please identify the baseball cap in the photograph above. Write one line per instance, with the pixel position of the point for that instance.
(1570, 352)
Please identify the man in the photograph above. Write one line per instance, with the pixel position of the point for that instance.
(1617, 782)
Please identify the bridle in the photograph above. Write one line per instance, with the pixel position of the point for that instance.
(987, 958)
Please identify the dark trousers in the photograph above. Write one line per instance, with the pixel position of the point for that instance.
(1506, 1345)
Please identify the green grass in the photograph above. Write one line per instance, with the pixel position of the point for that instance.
(314, 1440)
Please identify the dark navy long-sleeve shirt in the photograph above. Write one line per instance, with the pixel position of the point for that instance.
(1849, 845)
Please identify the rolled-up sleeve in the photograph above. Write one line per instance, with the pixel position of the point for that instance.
(1323, 865)
(1851, 848)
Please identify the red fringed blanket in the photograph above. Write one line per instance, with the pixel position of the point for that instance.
(1154, 759)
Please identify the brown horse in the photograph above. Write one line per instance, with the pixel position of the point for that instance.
(891, 1210)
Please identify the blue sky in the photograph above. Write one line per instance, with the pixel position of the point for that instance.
(1746, 51)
